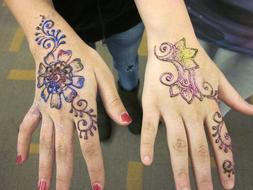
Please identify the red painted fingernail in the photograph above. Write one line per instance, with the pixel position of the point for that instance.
(96, 186)
(42, 185)
(19, 159)
(126, 118)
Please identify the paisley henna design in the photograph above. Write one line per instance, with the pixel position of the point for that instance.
(58, 76)
(183, 82)
(222, 138)
(88, 123)
(228, 167)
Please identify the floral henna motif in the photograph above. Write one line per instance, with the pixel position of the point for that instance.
(183, 82)
(58, 77)
(88, 123)
(228, 167)
(221, 137)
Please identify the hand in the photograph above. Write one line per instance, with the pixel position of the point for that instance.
(183, 86)
(67, 75)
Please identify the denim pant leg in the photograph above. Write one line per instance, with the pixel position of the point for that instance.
(124, 50)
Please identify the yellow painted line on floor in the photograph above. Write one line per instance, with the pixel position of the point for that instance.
(251, 99)
(143, 50)
(34, 148)
(134, 176)
(21, 75)
(17, 40)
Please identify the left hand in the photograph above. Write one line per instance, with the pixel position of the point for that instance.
(182, 86)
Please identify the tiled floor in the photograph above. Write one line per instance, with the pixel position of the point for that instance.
(123, 168)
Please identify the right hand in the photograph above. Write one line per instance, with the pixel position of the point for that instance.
(65, 98)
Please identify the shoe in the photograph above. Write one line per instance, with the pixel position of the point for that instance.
(133, 107)
(103, 121)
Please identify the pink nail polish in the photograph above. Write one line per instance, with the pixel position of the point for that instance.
(42, 185)
(19, 159)
(126, 118)
(96, 186)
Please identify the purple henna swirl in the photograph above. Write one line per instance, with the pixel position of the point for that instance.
(228, 168)
(224, 140)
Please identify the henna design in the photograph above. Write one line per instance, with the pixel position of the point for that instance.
(184, 81)
(224, 140)
(221, 138)
(88, 123)
(228, 168)
(58, 77)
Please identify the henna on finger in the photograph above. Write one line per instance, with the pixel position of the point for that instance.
(59, 79)
(223, 140)
(184, 82)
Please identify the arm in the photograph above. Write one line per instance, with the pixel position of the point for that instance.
(187, 86)
(68, 73)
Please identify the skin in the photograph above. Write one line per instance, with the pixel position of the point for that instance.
(77, 113)
(185, 120)
(188, 107)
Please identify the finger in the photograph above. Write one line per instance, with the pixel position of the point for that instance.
(178, 146)
(64, 151)
(150, 123)
(89, 141)
(110, 96)
(199, 153)
(232, 98)
(222, 146)
(26, 129)
(46, 156)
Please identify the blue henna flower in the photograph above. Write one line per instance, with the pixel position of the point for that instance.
(58, 79)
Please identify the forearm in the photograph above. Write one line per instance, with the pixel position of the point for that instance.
(166, 20)
(29, 17)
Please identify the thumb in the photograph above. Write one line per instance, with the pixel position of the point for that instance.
(112, 102)
(232, 98)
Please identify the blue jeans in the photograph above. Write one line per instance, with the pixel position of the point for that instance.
(124, 50)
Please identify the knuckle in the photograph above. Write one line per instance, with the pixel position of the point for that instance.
(149, 128)
(146, 144)
(62, 149)
(62, 179)
(205, 181)
(90, 149)
(46, 143)
(94, 171)
(180, 145)
(182, 174)
(43, 168)
(202, 152)
(113, 102)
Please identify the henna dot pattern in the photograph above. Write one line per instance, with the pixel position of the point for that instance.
(183, 82)
(59, 79)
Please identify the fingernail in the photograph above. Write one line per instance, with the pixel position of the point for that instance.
(96, 186)
(19, 159)
(42, 185)
(146, 159)
(126, 118)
